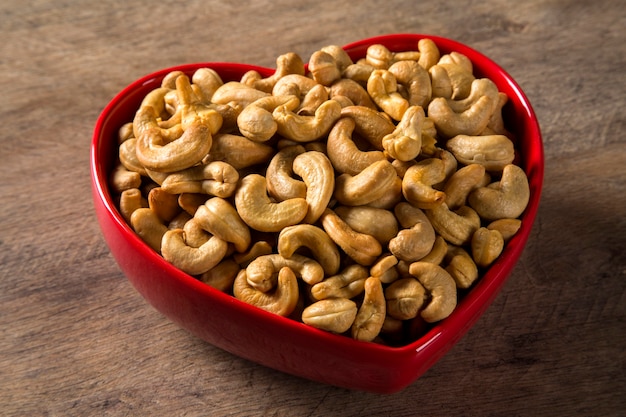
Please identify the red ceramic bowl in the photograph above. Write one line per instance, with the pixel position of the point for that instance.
(279, 342)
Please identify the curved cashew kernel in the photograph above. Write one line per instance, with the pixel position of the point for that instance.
(322, 247)
(441, 287)
(377, 222)
(459, 71)
(221, 276)
(281, 301)
(348, 283)
(461, 183)
(164, 204)
(429, 53)
(208, 81)
(341, 57)
(123, 179)
(333, 314)
(215, 178)
(261, 272)
(280, 183)
(371, 314)
(494, 152)
(416, 81)
(324, 68)
(354, 91)
(378, 56)
(470, 122)
(369, 185)
(318, 174)
(486, 245)
(307, 128)
(391, 198)
(179, 221)
(148, 227)
(260, 213)
(256, 250)
(130, 200)
(370, 124)
(361, 247)
(234, 91)
(507, 227)
(405, 142)
(479, 87)
(405, 297)
(191, 201)
(506, 198)
(496, 122)
(194, 235)
(221, 219)
(193, 110)
(128, 156)
(455, 226)
(417, 184)
(239, 151)
(461, 267)
(169, 81)
(125, 132)
(289, 63)
(192, 260)
(294, 84)
(438, 253)
(358, 72)
(417, 239)
(177, 155)
(313, 99)
(385, 269)
(383, 88)
(256, 121)
(151, 114)
(344, 154)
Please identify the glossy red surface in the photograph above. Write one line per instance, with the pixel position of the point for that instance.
(282, 343)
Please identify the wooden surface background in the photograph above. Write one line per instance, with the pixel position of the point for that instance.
(76, 339)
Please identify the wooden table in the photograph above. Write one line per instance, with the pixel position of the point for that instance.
(76, 339)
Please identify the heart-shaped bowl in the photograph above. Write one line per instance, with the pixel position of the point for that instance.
(282, 343)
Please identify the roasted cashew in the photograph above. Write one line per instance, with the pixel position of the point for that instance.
(260, 213)
(131, 200)
(461, 183)
(369, 185)
(191, 201)
(193, 261)
(383, 88)
(238, 151)
(440, 287)
(455, 226)
(418, 181)
(344, 153)
(194, 235)
(361, 247)
(220, 218)
(149, 227)
(221, 276)
(333, 314)
(486, 246)
(469, 122)
(289, 63)
(378, 56)
(256, 121)
(208, 81)
(415, 81)
(192, 110)
(123, 179)
(461, 266)
(128, 156)
(262, 271)
(385, 269)
(507, 227)
(307, 128)
(377, 222)
(429, 53)
(405, 297)
(152, 112)
(164, 204)
(237, 92)
(417, 238)
(324, 68)
(259, 248)
(438, 252)
(313, 99)
(493, 152)
(496, 122)
(358, 71)
(452, 76)
(405, 142)
(371, 314)
(215, 178)
(502, 199)
(323, 249)
(348, 283)
(318, 174)
(354, 91)
(294, 84)
(281, 185)
(281, 301)
(371, 124)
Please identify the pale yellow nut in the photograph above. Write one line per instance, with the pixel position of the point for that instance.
(362, 248)
(238, 151)
(324, 68)
(378, 222)
(416, 240)
(281, 183)
(506, 198)
(333, 314)
(282, 300)
(486, 245)
(215, 178)
(256, 121)
(461, 266)
(455, 226)
(316, 240)
(219, 217)
(192, 260)
(306, 128)
(371, 314)
(262, 271)
(405, 142)
(123, 179)
(405, 297)
(237, 92)
(344, 153)
(418, 181)
(441, 288)
(131, 200)
(164, 204)
(370, 124)
(221, 276)
(461, 183)
(149, 227)
(415, 80)
(507, 227)
(469, 122)
(494, 152)
(208, 81)
(383, 88)
(286, 64)
(372, 183)
(318, 175)
(354, 91)
(348, 283)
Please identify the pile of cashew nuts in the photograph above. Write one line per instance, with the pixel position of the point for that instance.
(360, 198)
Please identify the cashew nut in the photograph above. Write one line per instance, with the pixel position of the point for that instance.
(123, 179)
(128, 156)
(289, 63)
(438, 252)
(164, 204)
(215, 178)
(149, 227)
(417, 238)
(415, 80)
(324, 68)
(378, 56)
(333, 314)
(417, 184)
(383, 88)
(221, 276)
(193, 261)
(318, 174)
(261, 272)
(507, 227)
(461, 266)
(405, 142)
(130, 200)
(207, 80)
(494, 152)
(455, 226)
(371, 124)
(369, 185)
(237, 92)
(281, 301)
(313, 238)
(221, 219)
(377, 222)
(348, 283)
(506, 198)
(405, 297)
(362, 248)
(343, 152)
(260, 213)
(307, 128)
(371, 314)
(469, 122)
(440, 287)
(238, 151)
(385, 269)
(281, 185)
(256, 121)
(486, 246)
(461, 183)
(354, 91)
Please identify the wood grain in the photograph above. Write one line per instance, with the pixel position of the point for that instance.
(76, 339)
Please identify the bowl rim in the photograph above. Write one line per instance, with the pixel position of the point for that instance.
(447, 331)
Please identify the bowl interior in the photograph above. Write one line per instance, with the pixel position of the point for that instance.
(279, 342)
